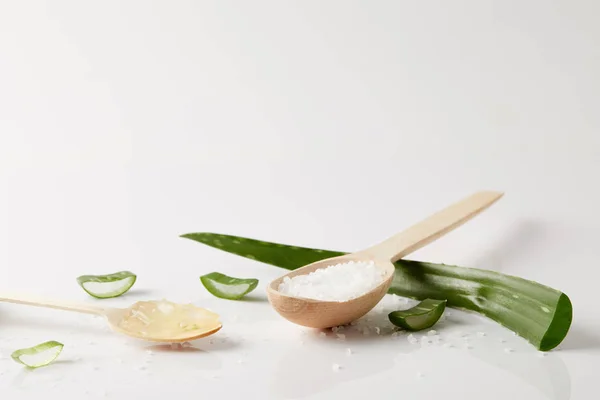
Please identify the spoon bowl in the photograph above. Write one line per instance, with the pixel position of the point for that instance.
(129, 321)
(326, 314)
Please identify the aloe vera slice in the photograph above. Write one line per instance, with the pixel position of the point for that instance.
(422, 316)
(538, 313)
(38, 356)
(227, 287)
(107, 286)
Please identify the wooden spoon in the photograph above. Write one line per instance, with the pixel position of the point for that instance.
(325, 314)
(155, 321)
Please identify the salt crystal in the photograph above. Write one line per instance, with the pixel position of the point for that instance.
(341, 336)
(240, 361)
(349, 351)
(432, 332)
(366, 330)
(149, 352)
(481, 334)
(508, 350)
(447, 345)
(322, 334)
(419, 374)
(339, 282)
(377, 330)
(502, 341)
(412, 339)
(395, 334)
(335, 367)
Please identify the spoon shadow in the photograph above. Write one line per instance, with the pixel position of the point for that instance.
(520, 240)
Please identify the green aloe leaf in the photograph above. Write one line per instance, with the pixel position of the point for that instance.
(538, 313)
(422, 316)
(107, 286)
(227, 287)
(38, 356)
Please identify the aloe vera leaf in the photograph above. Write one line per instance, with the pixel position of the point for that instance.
(38, 356)
(540, 314)
(422, 316)
(107, 286)
(227, 287)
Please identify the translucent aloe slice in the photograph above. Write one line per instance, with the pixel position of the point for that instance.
(38, 356)
(227, 287)
(422, 316)
(107, 286)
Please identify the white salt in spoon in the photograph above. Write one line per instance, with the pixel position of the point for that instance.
(155, 321)
(325, 314)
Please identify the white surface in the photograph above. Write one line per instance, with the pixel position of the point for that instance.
(124, 124)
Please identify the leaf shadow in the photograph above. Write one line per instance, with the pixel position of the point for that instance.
(580, 339)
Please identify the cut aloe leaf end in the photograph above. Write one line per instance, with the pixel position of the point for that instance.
(38, 356)
(422, 316)
(227, 287)
(540, 314)
(107, 286)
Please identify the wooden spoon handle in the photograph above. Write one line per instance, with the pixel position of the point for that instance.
(56, 304)
(434, 227)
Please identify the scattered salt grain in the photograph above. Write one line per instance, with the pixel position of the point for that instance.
(349, 351)
(365, 330)
(412, 339)
(395, 334)
(339, 282)
(336, 367)
(541, 354)
(322, 334)
(419, 374)
(240, 361)
(508, 350)
(377, 330)
(149, 352)
(432, 332)
(341, 336)
(447, 345)
(502, 341)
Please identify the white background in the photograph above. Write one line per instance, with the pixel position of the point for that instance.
(332, 124)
